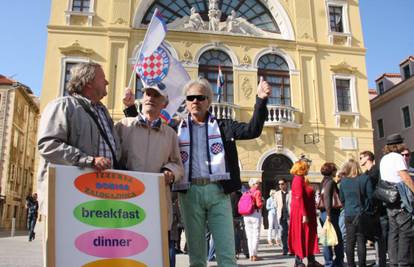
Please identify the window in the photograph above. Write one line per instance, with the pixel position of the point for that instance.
(68, 67)
(208, 69)
(343, 95)
(253, 11)
(406, 116)
(380, 126)
(275, 71)
(81, 5)
(336, 19)
(406, 71)
(381, 88)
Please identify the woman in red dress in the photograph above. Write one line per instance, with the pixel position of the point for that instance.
(303, 239)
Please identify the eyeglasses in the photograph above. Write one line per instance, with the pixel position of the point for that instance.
(281, 183)
(405, 155)
(198, 97)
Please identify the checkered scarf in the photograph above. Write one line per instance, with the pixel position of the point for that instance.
(215, 153)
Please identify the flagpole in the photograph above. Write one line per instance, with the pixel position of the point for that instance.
(140, 48)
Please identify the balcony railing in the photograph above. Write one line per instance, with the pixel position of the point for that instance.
(281, 116)
(223, 110)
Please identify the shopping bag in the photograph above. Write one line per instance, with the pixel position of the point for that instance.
(329, 237)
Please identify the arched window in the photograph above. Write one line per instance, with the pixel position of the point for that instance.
(275, 71)
(208, 68)
(252, 10)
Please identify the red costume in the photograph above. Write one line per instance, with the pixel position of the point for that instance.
(303, 239)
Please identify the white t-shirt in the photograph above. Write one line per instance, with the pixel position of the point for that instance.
(390, 165)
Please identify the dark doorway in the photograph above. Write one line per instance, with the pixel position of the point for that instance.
(274, 167)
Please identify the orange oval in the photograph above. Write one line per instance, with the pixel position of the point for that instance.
(115, 263)
(109, 185)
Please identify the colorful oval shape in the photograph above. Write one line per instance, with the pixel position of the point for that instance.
(109, 185)
(111, 243)
(109, 213)
(115, 263)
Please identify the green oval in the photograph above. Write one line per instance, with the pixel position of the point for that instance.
(109, 213)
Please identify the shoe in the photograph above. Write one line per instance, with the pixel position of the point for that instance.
(34, 235)
(299, 265)
(255, 258)
(314, 264)
(284, 253)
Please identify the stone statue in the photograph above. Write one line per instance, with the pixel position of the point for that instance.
(214, 15)
(195, 21)
(233, 23)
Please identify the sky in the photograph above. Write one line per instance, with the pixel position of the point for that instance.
(386, 25)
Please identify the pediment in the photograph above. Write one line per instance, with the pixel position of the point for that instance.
(344, 67)
(76, 49)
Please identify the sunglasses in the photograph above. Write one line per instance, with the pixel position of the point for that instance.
(281, 183)
(198, 97)
(405, 155)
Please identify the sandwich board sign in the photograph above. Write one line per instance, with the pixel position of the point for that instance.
(110, 218)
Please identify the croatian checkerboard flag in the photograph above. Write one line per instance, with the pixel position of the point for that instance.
(220, 84)
(157, 67)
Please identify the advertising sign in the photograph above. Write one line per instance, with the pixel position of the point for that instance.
(111, 218)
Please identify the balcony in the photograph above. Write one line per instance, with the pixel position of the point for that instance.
(223, 110)
(282, 116)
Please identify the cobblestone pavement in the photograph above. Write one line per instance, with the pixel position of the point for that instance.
(18, 252)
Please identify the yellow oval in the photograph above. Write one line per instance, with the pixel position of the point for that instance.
(115, 263)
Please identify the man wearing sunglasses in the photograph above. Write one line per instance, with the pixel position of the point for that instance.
(283, 210)
(209, 154)
(367, 161)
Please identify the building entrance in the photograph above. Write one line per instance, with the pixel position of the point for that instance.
(274, 167)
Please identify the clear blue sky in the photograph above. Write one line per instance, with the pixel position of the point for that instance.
(386, 24)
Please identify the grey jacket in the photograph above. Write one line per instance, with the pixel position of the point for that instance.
(67, 135)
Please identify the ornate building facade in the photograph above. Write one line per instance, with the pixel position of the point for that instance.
(19, 114)
(312, 53)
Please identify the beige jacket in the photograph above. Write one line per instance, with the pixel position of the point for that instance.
(150, 150)
(279, 203)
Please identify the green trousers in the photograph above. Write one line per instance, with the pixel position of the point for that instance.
(204, 205)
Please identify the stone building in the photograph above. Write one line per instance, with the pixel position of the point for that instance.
(19, 114)
(312, 53)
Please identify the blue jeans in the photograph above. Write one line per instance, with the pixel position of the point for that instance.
(31, 223)
(171, 250)
(339, 249)
(284, 235)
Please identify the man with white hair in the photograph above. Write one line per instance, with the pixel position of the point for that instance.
(148, 145)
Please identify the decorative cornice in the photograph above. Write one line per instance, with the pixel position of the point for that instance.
(76, 49)
(344, 67)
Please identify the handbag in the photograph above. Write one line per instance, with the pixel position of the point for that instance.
(336, 201)
(386, 192)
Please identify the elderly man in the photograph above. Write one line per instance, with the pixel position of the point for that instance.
(208, 151)
(77, 129)
(149, 146)
(209, 154)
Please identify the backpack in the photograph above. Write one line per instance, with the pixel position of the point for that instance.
(246, 204)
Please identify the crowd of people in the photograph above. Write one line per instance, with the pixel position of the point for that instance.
(198, 158)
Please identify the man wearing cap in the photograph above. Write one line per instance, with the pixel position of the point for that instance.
(393, 169)
(148, 145)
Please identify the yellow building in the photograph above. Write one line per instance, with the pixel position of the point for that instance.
(312, 52)
(19, 114)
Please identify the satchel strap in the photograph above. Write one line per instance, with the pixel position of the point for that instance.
(101, 131)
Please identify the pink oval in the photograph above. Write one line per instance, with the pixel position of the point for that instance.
(111, 243)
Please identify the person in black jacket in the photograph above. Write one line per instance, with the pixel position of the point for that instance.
(32, 206)
(209, 154)
(367, 161)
